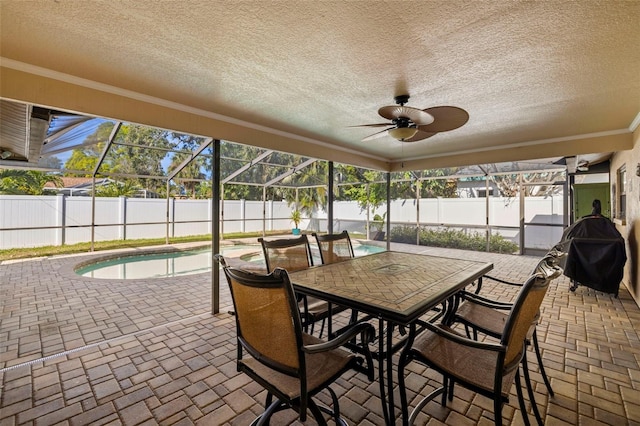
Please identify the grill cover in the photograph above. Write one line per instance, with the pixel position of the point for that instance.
(595, 254)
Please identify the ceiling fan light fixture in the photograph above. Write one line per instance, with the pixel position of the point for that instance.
(403, 133)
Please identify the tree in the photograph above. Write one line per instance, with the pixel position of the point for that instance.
(193, 172)
(27, 182)
(139, 150)
(85, 157)
(368, 188)
(117, 189)
(509, 185)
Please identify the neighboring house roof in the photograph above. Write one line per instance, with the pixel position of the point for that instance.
(77, 182)
(81, 186)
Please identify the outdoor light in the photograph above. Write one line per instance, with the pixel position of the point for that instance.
(403, 133)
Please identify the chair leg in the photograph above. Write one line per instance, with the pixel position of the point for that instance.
(523, 408)
(265, 417)
(547, 383)
(452, 384)
(497, 410)
(404, 404)
(336, 408)
(317, 413)
(322, 328)
(527, 381)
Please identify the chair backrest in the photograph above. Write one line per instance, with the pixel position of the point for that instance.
(525, 311)
(334, 247)
(551, 259)
(267, 318)
(292, 254)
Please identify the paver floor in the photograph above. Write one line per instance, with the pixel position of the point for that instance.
(80, 351)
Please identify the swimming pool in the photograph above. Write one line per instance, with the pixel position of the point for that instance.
(180, 263)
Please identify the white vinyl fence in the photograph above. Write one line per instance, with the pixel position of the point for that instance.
(32, 221)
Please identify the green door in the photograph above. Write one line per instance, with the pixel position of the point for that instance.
(585, 193)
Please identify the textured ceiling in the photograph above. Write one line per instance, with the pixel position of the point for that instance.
(527, 73)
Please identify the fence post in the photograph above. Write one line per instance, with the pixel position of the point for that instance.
(172, 212)
(243, 215)
(122, 207)
(210, 217)
(61, 219)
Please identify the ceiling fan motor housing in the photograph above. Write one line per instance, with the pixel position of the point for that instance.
(402, 99)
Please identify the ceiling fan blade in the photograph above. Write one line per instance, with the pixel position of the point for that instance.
(420, 136)
(446, 118)
(373, 125)
(416, 115)
(377, 134)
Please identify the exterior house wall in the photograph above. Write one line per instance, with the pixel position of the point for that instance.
(630, 228)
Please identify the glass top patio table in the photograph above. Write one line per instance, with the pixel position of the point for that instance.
(396, 288)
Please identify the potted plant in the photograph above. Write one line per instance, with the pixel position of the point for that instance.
(296, 218)
(378, 222)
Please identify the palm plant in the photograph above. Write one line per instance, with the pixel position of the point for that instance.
(296, 217)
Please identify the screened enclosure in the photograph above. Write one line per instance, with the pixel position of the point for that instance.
(262, 190)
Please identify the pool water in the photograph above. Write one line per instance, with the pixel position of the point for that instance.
(176, 264)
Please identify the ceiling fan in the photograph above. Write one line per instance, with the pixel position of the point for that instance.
(410, 124)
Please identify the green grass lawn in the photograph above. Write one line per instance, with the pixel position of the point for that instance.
(25, 253)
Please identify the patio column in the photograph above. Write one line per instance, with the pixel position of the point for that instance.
(388, 211)
(166, 234)
(329, 201)
(486, 199)
(418, 192)
(215, 229)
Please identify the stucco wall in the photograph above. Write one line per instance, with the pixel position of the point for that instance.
(631, 228)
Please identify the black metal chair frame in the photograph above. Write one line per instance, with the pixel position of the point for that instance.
(539, 281)
(280, 279)
(317, 310)
(327, 238)
(549, 261)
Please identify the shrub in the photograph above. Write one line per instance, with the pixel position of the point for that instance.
(453, 238)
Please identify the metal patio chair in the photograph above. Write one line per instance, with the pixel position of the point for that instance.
(488, 316)
(334, 247)
(294, 254)
(275, 352)
(484, 367)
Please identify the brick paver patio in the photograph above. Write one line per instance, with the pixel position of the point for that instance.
(78, 351)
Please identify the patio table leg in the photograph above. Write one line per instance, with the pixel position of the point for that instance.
(385, 378)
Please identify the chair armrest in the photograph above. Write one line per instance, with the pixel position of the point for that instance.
(366, 331)
(485, 301)
(502, 281)
(448, 333)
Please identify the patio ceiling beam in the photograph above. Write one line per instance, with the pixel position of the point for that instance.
(247, 166)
